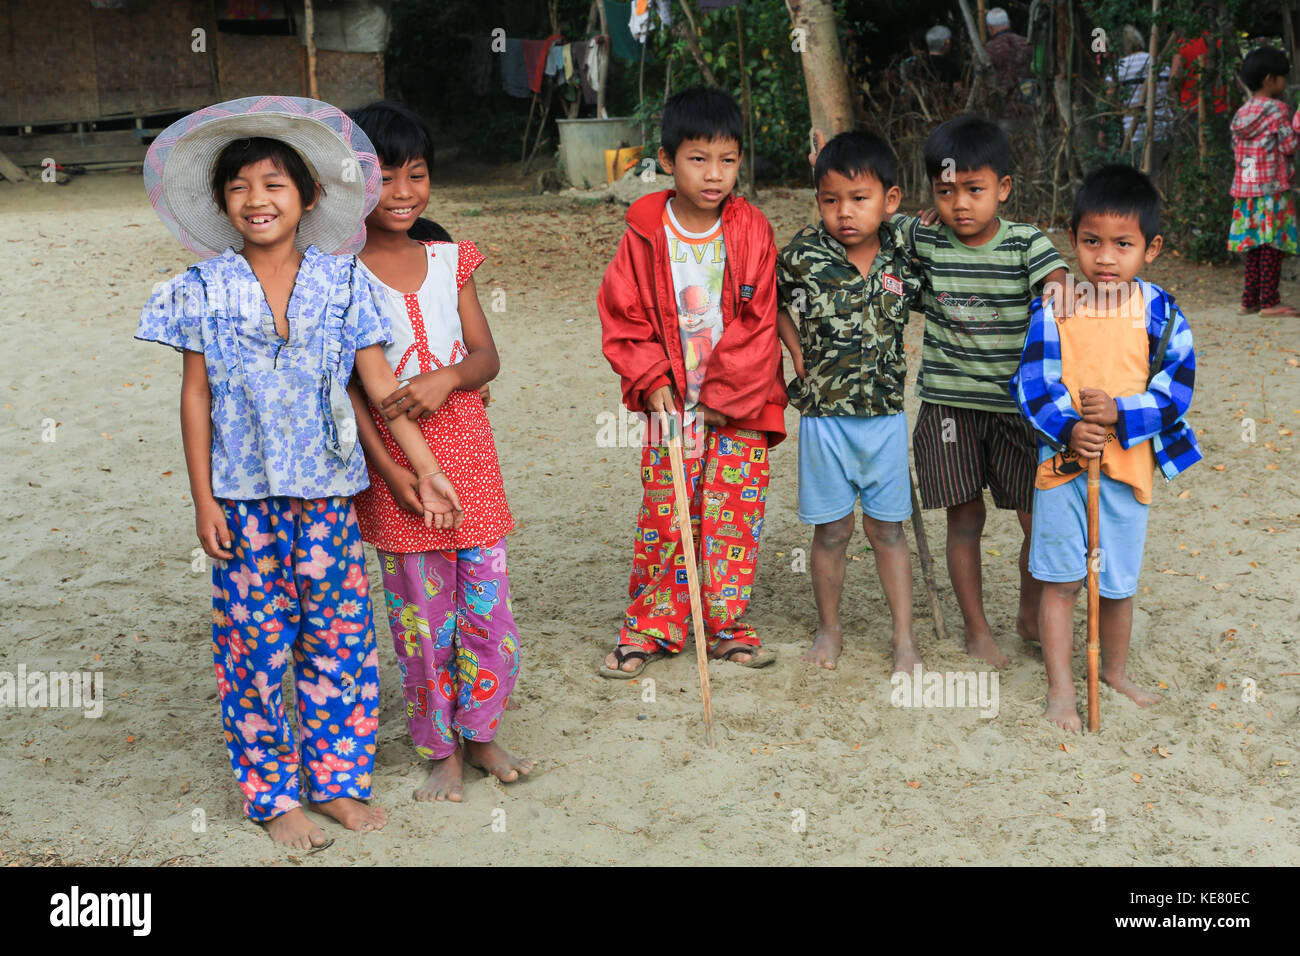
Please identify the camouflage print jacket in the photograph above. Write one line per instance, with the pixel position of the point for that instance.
(850, 327)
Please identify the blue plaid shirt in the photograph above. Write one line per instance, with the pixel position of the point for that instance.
(1156, 414)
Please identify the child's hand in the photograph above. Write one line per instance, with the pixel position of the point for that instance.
(214, 534)
(1097, 407)
(485, 393)
(1087, 439)
(796, 362)
(405, 488)
(661, 400)
(708, 416)
(929, 217)
(419, 396)
(441, 504)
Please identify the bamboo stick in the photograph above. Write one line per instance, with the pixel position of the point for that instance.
(1094, 598)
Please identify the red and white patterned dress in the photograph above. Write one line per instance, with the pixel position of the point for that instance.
(427, 336)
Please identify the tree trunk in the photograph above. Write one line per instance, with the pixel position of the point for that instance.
(747, 168)
(604, 62)
(689, 32)
(1149, 140)
(824, 74)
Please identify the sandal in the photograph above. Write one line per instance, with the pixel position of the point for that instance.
(621, 653)
(1278, 310)
(755, 660)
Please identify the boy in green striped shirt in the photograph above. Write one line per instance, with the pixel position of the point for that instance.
(980, 274)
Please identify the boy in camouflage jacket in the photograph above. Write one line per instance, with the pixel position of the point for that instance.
(845, 289)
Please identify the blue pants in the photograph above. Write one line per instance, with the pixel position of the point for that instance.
(296, 588)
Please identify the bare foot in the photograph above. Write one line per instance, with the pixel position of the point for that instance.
(445, 780)
(1027, 629)
(490, 756)
(353, 814)
(982, 646)
(825, 650)
(740, 657)
(294, 828)
(907, 656)
(510, 704)
(1139, 695)
(1064, 712)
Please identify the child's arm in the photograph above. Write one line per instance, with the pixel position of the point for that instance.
(402, 483)
(1287, 140)
(788, 332)
(196, 435)
(628, 337)
(425, 393)
(1037, 386)
(1169, 394)
(441, 504)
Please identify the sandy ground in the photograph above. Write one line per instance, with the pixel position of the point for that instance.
(96, 574)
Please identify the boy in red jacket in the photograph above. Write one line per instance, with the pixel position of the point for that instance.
(688, 318)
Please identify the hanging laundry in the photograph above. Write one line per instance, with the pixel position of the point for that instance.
(566, 52)
(639, 25)
(595, 56)
(555, 60)
(716, 4)
(622, 44)
(580, 51)
(535, 53)
(514, 77)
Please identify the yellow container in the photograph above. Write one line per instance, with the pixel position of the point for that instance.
(619, 161)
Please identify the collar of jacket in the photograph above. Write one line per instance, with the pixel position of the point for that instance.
(645, 216)
(888, 233)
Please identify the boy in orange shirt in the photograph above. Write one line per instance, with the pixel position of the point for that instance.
(1112, 382)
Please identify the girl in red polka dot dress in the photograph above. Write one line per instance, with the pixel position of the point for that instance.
(447, 594)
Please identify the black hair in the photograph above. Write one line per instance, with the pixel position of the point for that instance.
(971, 142)
(1119, 190)
(1261, 63)
(398, 133)
(700, 112)
(244, 152)
(425, 230)
(855, 153)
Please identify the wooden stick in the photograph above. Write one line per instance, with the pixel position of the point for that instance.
(310, 29)
(683, 503)
(926, 561)
(1094, 598)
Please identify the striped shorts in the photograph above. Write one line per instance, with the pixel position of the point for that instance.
(960, 451)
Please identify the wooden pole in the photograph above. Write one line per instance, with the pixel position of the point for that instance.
(603, 61)
(1094, 598)
(829, 104)
(983, 24)
(683, 504)
(927, 563)
(1149, 140)
(310, 28)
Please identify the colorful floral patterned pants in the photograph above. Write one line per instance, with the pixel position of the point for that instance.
(296, 588)
(728, 488)
(456, 642)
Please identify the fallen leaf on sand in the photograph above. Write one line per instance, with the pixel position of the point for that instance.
(1185, 493)
(914, 784)
(1137, 778)
(1220, 686)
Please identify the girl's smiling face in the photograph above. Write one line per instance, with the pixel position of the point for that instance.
(263, 204)
(405, 196)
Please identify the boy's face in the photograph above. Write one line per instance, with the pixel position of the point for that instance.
(968, 201)
(404, 197)
(704, 173)
(853, 209)
(1111, 250)
(263, 204)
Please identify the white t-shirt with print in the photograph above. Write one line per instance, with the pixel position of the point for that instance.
(698, 261)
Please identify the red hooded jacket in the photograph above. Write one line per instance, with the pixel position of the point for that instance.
(638, 317)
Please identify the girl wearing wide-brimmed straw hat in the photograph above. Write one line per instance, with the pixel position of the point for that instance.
(271, 191)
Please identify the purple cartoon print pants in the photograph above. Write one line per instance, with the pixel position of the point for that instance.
(456, 642)
(296, 588)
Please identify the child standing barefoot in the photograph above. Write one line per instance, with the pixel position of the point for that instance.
(1113, 382)
(1263, 211)
(848, 285)
(270, 335)
(447, 591)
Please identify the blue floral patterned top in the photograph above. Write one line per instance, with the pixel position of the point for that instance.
(282, 423)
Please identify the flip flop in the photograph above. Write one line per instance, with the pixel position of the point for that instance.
(755, 661)
(621, 653)
(1278, 310)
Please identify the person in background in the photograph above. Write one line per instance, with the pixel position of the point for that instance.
(938, 44)
(1009, 52)
(1130, 82)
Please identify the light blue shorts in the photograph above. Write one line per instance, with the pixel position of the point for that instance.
(845, 458)
(1058, 543)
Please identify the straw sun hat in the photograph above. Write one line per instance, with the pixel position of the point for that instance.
(178, 171)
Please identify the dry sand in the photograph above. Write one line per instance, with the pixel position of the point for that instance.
(96, 574)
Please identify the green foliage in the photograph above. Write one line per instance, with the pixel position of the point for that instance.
(1198, 208)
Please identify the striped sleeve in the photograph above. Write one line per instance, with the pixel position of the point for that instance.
(1037, 386)
(1169, 395)
(1041, 258)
